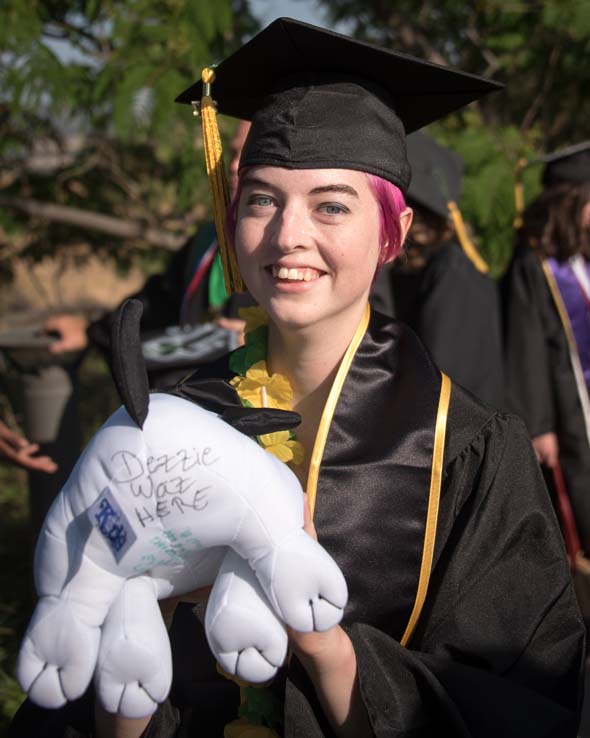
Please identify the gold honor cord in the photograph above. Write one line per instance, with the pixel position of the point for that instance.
(217, 181)
(464, 240)
(572, 346)
(433, 505)
(328, 412)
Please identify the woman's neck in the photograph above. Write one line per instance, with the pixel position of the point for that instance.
(309, 358)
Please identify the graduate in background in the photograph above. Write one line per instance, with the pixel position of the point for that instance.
(441, 288)
(546, 296)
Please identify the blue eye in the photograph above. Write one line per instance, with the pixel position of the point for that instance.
(331, 208)
(262, 201)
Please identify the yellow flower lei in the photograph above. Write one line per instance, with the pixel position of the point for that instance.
(257, 388)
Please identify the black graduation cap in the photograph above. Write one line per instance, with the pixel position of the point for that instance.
(436, 174)
(567, 165)
(318, 99)
(436, 185)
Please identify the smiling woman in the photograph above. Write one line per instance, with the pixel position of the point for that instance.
(461, 618)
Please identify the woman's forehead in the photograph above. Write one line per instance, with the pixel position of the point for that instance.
(306, 180)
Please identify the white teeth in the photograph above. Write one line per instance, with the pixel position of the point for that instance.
(295, 275)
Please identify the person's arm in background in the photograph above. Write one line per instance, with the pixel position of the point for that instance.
(71, 331)
(160, 296)
(19, 451)
(528, 363)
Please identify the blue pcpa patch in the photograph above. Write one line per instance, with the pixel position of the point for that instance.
(112, 523)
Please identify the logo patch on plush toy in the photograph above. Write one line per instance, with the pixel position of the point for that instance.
(106, 515)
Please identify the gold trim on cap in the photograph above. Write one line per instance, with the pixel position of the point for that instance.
(464, 240)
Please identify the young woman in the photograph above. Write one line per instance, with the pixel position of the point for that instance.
(547, 328)
(461, 619)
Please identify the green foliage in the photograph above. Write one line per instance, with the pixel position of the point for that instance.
(538, 49)
(490, 156)
(91, 84)
(15, 583)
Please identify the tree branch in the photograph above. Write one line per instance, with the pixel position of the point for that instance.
(537, 103)
(119, 227)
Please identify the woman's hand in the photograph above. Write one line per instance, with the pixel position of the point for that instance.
(330, 661)
(547, 449)
(108, 725)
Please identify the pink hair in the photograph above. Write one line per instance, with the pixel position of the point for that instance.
(391, 205)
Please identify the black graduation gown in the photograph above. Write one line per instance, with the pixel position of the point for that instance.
(455, 310)
(540, 382)
(498, 649)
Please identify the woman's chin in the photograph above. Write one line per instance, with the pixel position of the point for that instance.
(293, 316)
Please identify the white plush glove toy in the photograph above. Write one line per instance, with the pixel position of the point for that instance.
(166, 499)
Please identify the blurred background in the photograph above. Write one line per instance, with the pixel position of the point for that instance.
(101, 176)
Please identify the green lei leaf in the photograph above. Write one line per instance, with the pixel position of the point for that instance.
(262, 707)
(253, 352)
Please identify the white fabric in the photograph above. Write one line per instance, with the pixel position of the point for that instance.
(148, 514)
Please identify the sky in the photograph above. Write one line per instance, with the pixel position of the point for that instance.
(303, 10)
(265, 10)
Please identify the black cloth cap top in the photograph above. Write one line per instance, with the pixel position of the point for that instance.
(567, 165)
(320, 100)
(436, 174)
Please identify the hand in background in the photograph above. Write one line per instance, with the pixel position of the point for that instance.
(547, 449)
(19, 451)
(71, 330)
(233, 324)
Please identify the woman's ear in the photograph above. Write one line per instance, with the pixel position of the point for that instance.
(405, 222)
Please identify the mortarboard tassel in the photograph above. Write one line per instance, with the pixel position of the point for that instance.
(218, 181)
(518, 194)
(466, 245)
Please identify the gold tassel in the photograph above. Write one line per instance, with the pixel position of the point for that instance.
(466, 245)
(218, 182)
(518, 194)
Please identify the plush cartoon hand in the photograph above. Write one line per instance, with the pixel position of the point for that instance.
(155, 501)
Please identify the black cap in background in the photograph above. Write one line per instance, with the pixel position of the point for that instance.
(567, 165)
(318, 99)
(436, 174)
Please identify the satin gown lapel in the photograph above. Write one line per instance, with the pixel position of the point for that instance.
(373, 486)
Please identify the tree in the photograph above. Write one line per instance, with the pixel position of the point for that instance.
(538, 48)
(93, 147)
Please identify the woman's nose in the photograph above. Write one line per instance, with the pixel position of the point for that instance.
(291, 229)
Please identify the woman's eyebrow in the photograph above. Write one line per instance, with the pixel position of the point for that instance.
(255, 182)
(342, 188)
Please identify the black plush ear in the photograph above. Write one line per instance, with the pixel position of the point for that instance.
(220, 397)
(256, 421)
(128, 365)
